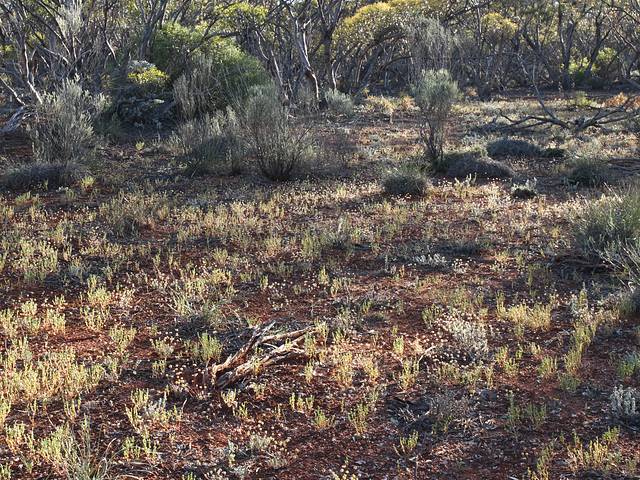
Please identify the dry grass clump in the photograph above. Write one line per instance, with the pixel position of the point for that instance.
(481, 167)
(43, 175)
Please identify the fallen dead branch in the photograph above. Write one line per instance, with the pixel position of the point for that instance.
(241, 364)
(601, 117)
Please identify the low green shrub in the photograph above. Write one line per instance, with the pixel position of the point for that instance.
(212, 145)
(450, 158)
(339, 104)
(146, 78)
(480, 167)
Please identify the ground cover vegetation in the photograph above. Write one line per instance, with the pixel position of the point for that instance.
(319, 240)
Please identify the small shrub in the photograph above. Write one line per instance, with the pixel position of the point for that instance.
(625, 404)
(450, 158)
(471, 336)
(380, 104)
(483, 167)
(146, 78)
(589, 172)
(507, 147)
(64, 128)
(528, 190)
(554, 152)
(435, 95)
(340, 104)
(608, 226)
(44, 175)
(212, 145)
(406, 180)
(305, 99)
(277, 148)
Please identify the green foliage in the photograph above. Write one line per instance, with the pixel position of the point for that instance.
(213, 83)
(147, 78)
(64, 129)
(600, 71)
(435, 95)
(212, 72)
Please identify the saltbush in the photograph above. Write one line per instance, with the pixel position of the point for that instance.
(609, 226)
(277, 146)
(406, 180)
(509, 147)
(339, 104)
(212, 145)
(64, 128)
(435, 95)
(589, 172)
(480, 167)
(45, 175)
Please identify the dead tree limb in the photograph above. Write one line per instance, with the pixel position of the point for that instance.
(285, 352)
(14, 122)
(239, 365)
(598, 120)
(239, 356)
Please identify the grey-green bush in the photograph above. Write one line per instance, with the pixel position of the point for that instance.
(405, 180)
(64, 129)
(610, 225)
(589, 172)
(277, 147)
(509, 147)
(435, 95)
(46, 175)
(212, 145)
(480, 167)
(339, 103)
